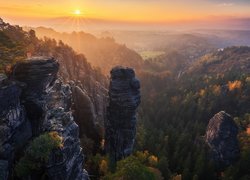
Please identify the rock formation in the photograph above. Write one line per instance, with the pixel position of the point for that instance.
(221, 137)
(85, 115)
(89, 94)
(67, 162)
(34, 102)
(124, 98)
(89, 80)
(15, 128)
(37, 74)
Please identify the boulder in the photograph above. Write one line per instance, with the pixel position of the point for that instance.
(221, 138)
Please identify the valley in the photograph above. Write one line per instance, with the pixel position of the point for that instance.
(191, 91)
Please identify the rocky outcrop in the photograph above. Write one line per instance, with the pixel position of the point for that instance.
(221, 137)
(124, 98)
(85, 115)
(37, 74)
(35, 101)
(15, 129)
(67, 162)
(88, 79)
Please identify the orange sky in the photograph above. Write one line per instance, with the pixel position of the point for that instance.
(159, 11)
(129, 10)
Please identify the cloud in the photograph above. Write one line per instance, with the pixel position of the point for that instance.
(225, 4)
(231, 1)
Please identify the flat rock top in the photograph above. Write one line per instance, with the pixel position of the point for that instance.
(122, 72)
(37, 73)
(35, 66)
(40, 60)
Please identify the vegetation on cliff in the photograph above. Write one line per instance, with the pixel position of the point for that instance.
(37, 153)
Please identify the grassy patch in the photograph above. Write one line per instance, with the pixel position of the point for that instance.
(151, 54)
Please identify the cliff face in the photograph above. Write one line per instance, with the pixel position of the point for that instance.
(35, 101)
(221, 137)
(88, 86)
(15, 128)
(85, 115)
(120, 127)
(36, 76)
(67, 162)
(73, 67)
(91, 81)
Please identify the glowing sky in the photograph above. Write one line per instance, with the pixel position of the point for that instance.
(126, 10)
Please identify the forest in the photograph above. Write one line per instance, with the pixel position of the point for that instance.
(179, 96)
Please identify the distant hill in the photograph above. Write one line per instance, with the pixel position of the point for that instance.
(160, 40)
(233, 59)
(100, 52)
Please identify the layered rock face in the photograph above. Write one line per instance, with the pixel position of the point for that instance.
(34, 102)
(124, 98)
(89, 80)
(85, 115)
(221, 137)
(89, 94)
(15, 128)
(67, 162)
(37, 74)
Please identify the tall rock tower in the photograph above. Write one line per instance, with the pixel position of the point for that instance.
(120, 126)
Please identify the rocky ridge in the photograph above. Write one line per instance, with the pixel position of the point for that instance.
(35, 101)
(88, 85)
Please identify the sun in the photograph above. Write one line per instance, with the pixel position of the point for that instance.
(77, 12)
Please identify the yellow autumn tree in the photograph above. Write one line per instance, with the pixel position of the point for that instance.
(216, 90)
(152, 160)
(232, 85)
(103, 167)
(202, 92)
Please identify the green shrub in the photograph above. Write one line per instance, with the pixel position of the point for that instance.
(37, 154)
(131, 168)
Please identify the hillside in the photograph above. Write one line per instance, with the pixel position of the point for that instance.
(74, 68)
(233, 59)
(100, 52)
(176, 112)
(11, 49)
